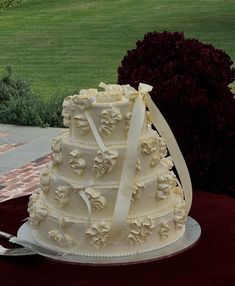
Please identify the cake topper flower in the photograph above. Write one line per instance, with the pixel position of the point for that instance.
(85, 98)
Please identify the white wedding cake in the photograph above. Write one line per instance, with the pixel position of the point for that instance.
(108, 193)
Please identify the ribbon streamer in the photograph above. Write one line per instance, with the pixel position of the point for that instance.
(88, 204)
(127, 181)
(94, 130)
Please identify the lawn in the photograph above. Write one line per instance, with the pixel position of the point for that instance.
(73, 44)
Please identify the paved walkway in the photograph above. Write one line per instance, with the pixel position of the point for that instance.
(24, 151)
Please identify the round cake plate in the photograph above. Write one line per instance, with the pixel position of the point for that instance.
(190, 237)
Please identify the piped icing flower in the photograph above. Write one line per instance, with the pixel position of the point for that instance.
(140, 231)
(98, 234)
(45, 179)
(164, 230)
(60, 238)
(111, 93)
(96, 199)
(180, 215)
(81, 123)
(56, 148)
(104, 162)
(165, 182)
(77, 163)
(139, 187)
(37, 211)
(62, 195)
(66, 111)
(109, 119)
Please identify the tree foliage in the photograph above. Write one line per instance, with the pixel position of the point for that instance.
(190, 83)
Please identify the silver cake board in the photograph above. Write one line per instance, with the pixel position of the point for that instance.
(190, 237)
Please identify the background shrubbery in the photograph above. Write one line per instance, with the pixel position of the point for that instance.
(20, 105)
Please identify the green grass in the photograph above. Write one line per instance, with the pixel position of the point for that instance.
(73, 44)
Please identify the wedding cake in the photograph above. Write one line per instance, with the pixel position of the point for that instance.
(110, 190)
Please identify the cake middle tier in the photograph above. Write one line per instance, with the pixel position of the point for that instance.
(79, 162)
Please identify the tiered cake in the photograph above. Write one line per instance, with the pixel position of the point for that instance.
(74, 210)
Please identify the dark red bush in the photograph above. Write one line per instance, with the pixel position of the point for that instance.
(190, 81)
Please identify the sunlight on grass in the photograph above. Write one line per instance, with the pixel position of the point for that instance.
(67, 45)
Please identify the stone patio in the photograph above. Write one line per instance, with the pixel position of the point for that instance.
(24, 151)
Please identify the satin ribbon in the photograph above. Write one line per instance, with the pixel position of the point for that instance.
(94, 130)
(127, 182)
(84, 102)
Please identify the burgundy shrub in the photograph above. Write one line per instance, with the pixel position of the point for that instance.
(190, 81)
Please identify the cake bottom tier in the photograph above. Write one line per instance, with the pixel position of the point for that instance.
(95, 238)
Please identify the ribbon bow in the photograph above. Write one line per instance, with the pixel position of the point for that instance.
(131, 93)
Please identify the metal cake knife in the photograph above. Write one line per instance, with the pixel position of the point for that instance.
(29, 248)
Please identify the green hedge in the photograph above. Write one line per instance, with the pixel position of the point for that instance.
(20, 105)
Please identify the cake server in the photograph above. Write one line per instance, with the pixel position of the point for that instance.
(19, 251)
(28, 247)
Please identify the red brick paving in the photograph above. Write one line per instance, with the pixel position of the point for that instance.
(22, 181)
(3, 133)
(7, 147)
